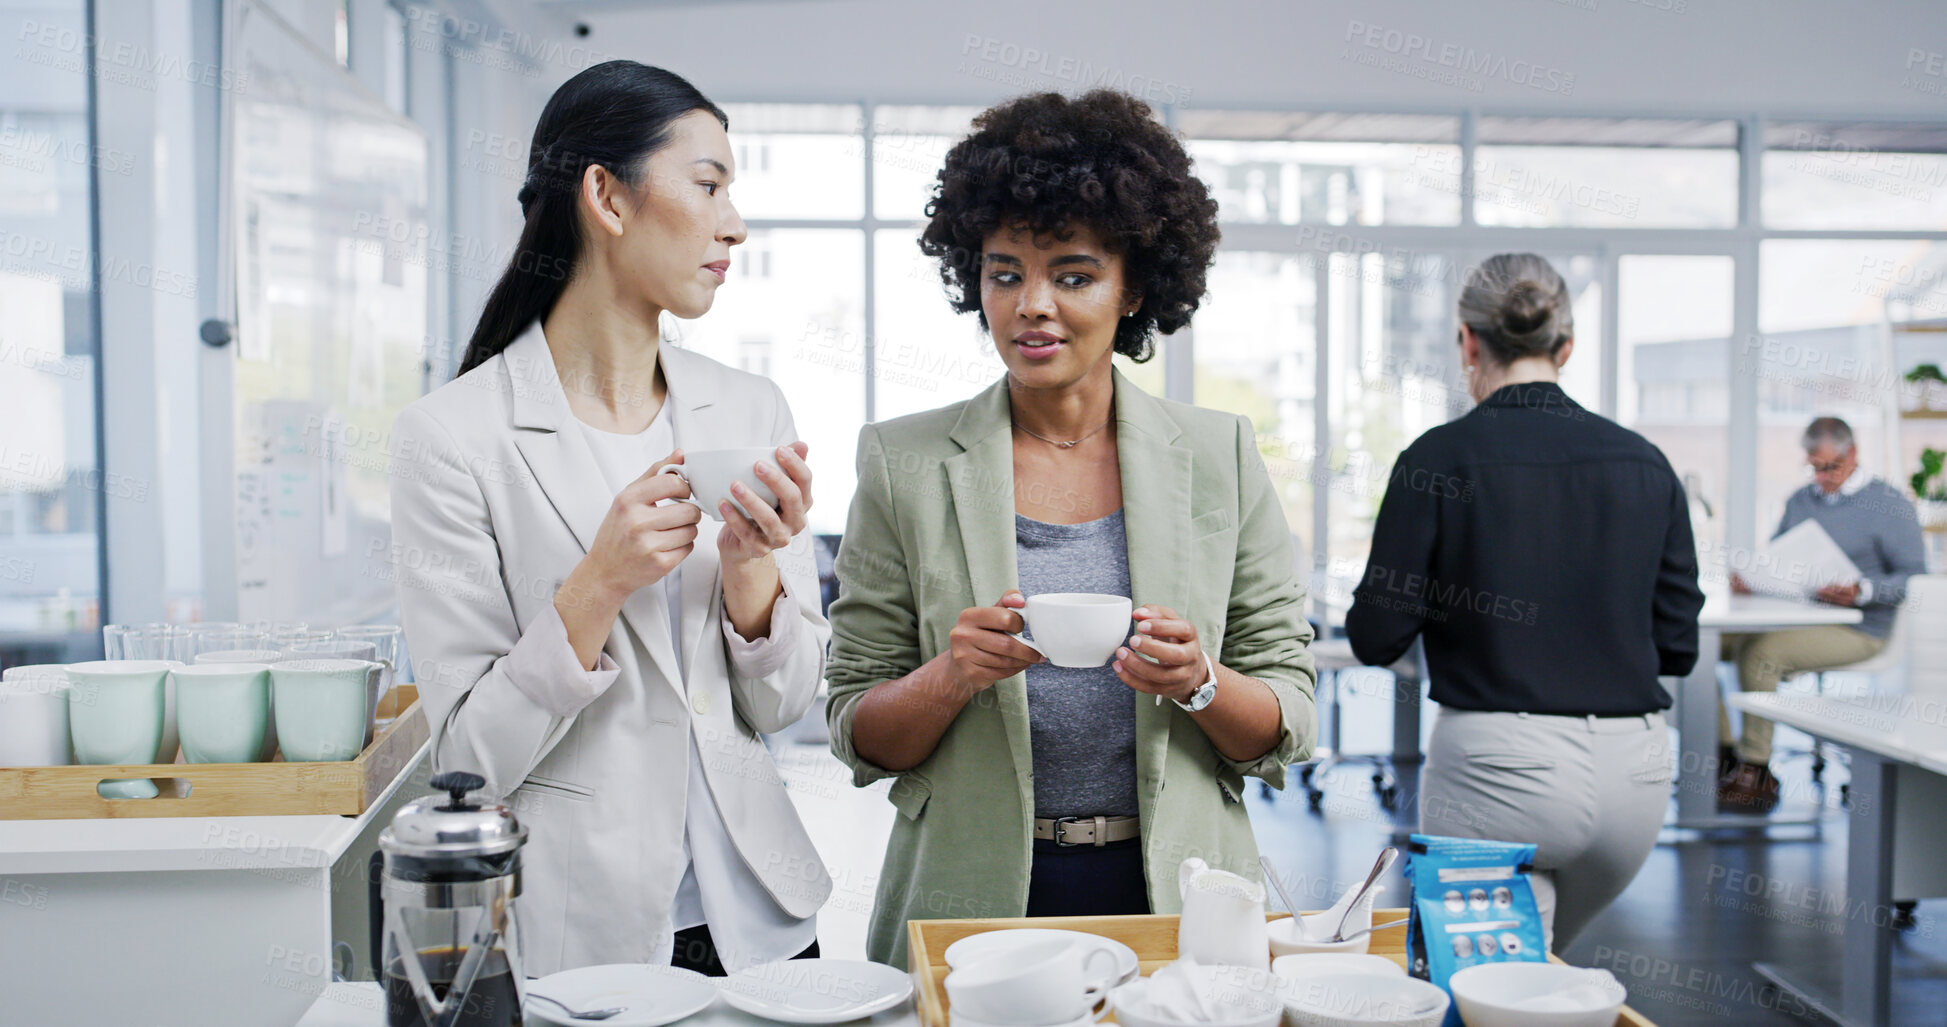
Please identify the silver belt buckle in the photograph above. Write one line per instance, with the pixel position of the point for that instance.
(1101, 830)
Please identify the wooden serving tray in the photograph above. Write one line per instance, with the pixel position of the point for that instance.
(1153, 938)
(347, 787)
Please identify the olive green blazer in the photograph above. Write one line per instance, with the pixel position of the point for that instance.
(931, 533)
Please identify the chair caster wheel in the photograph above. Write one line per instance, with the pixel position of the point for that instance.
(1314, 799)
(1903, 918)
(1845, 795)
(1389, 797)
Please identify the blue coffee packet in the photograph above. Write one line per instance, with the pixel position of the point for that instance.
(1472, 904)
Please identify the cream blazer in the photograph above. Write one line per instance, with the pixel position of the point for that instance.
(495, 498)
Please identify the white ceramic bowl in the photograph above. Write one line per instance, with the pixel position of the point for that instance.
(1363, 1000)
(1536, 995)
(1287, 939)
(1244, 997)
(1331, 964)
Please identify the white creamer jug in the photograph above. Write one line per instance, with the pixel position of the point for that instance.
(1223, 917)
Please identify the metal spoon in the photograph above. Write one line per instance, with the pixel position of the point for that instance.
(1386, 857)
(585, 1014)
(1271, 875)
(1376, 927)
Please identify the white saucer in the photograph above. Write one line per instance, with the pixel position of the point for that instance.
(816, 990)
(974, 946)
(650, 995)
(1332, 964)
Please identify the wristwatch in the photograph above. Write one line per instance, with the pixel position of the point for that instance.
(1206, 693)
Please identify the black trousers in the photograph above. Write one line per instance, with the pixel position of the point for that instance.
(1087, 880)
(696, 950)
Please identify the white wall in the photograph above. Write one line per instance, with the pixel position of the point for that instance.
(1778, 57)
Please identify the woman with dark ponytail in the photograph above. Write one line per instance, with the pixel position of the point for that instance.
(603, 654)
(1544, 554)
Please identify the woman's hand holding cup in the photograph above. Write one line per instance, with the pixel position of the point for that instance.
(640, 542)
(765, 530)
(983, 648)
(1175, 665)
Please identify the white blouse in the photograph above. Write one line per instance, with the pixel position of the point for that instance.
(718, 888)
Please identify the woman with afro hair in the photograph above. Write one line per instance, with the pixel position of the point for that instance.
(1074, 230)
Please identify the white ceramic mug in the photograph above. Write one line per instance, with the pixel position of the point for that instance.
(222, 711)
(1050, 982)
(321, 708)
(1223, 917)
(1077, 629)
(116, 710)
(269, 747)
(34, 716)
(711, 472)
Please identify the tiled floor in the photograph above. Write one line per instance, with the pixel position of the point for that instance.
(1682, 939)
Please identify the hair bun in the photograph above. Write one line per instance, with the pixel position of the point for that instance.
(525, 197)
(1526, 309)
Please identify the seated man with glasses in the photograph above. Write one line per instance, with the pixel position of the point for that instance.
(1874, 524)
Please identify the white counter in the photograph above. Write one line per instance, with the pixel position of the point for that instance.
(192, 920)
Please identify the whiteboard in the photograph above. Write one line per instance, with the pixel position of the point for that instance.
(326, 198)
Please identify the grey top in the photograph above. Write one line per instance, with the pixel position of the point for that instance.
(1082, 720)
(1876, 528)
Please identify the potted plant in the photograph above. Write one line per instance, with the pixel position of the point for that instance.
(1930, 488)
(1929, 383)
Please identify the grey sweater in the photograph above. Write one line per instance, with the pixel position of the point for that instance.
(1877, 529)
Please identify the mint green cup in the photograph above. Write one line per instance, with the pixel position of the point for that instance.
(223, 711)
(321, 708)
(264, 656)
(115, 713)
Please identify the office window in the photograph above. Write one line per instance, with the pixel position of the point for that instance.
(1588, 172)
(1843, 322)
(909, 145)
(798, 160)
(1820, 175)
(1582, 375)
(803, 326)
(1334, 169)
(1674, 364)
(1256, 354)
(50, 481)
(926, 355)
(1394, 373)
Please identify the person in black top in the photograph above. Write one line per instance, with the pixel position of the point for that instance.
(1544, 554)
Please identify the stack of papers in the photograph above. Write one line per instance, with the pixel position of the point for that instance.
(1798, 563)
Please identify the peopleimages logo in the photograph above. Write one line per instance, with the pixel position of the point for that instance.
(1410, 53)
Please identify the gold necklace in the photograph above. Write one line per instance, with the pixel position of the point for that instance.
(1072, 443)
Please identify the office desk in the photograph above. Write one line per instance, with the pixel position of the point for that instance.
(1696, 698)
(1898, 749)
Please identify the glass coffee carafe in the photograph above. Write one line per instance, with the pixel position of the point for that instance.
(446, 911)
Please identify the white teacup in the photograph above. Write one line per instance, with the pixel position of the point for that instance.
(711, 472)
(1050, 982)
(1077, 629)
(34, 717)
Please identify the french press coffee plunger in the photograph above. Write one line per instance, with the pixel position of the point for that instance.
(446, 910)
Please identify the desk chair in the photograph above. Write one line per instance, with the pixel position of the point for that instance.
(1333, 656)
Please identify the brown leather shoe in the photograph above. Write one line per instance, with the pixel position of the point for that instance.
(1752, 789)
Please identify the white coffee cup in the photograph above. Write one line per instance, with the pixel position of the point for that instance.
(1050, 982)
(34, 717)
(1076, 629)
(711, 472)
